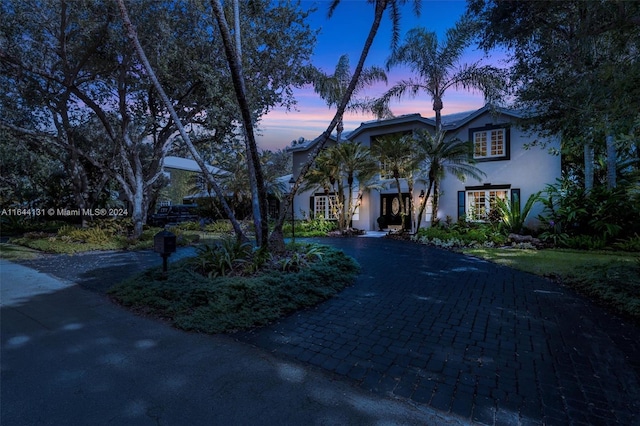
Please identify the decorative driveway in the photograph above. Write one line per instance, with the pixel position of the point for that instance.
(484, 342)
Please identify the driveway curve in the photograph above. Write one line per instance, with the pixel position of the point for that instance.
(458, 339)
(462, 335)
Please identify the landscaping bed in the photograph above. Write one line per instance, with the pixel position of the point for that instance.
(191, 298)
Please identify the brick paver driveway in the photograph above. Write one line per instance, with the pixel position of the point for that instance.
(465, 336)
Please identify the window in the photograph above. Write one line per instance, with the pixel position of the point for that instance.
(481, 202)
(324, 206)
(490, 143)
(385, 171)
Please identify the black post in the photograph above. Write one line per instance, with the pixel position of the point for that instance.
(293, 222)
(164, 264)
(292, 184)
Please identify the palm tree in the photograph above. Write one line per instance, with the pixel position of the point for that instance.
(380, 6)
(348, 164)
(453, 156)
(398, 157)
(437, 68)
(332, 88)
(357, 167)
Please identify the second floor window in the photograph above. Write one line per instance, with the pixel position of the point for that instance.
(489, 144)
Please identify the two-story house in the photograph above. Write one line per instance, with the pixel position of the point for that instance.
(503, 151)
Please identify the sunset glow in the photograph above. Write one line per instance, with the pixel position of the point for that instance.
(343, 34)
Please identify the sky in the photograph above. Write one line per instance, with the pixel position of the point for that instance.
(345, 33)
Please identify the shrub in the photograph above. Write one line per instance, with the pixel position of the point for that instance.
(629, 244)
(188, 226)
(194, 302)
(94, 235)
(570, 212)
(222, 226)
(461, 235)
(584, 242)
(214, 260)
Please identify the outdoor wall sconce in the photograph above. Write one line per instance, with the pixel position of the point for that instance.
(164, 242)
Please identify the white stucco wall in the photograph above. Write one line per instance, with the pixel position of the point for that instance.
(528, 170)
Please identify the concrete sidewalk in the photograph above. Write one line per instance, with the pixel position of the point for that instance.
(71, 357)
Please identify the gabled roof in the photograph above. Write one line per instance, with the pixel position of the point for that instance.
(402, 119)
(308, 144)
(450, 122)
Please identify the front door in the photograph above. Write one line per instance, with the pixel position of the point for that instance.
(390, 211)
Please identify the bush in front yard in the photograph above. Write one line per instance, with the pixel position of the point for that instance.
(193, 301)
(461, 234)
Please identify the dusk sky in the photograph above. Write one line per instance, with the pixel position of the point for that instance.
(345, 33)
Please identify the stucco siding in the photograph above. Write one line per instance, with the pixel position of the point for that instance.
(522, 168)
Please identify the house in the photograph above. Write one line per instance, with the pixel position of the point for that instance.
(186, 184)
(502, 150)
(184, 179)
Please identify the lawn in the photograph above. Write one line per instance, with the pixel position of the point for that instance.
(15, 252)
(611, 278)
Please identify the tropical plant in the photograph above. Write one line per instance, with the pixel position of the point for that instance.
(398, 160)
(214, 260)
(346, 169)
(609, 214)
(511, 217)
(439, 157)
(436, 65)
(332, 87)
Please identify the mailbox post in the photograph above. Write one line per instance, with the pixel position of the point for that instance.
(164, 242)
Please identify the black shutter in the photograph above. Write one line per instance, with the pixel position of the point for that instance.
(515, 200)
(461, 202)
(311, 208)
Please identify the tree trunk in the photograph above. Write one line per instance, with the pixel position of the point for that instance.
(434, 211)
(256, 178)
(437, 108)
(612, 160)
(380, 7)
(339, 130)
(185, 136)
(588, 167)
(423, 205)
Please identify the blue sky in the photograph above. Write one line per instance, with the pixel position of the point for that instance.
(345, 33)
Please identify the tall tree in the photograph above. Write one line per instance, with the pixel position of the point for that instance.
(439, 157)
(575, 68)
(78, 55)
(256, 178)
(398, 160)
(437, 68)
(332, 87)
(380, 6)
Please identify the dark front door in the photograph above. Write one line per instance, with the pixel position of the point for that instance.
(390, 211)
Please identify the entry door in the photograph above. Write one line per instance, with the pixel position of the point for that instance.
(390, 210)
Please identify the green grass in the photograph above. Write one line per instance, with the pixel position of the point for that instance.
(57, 244)
(610, 278)
(15, 252)
(193, 302)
